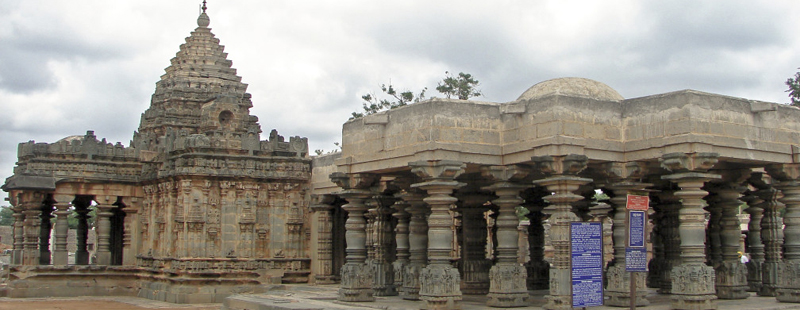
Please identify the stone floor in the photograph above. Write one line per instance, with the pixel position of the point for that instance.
(96, 303)
(295, 297)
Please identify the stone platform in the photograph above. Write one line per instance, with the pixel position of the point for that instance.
(294, 297)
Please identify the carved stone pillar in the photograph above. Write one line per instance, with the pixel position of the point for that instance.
(787, 175)
(771, 237)
(324, 268)
(754, 246)
(357, 279)
(692, 281)
(538, 268)
(417, 245)
(508, 277)
(130, 244)
(713, 241)
(401, 240)
(19, 233)
(656, 264)
(669, 205)
(439, 281)
(383, 283)
(103, 229)
(731, 274)
(60, 254)
(45, 230)
(562, 183)
(82, 231)
(619, 280)
(474, 265)
(32, 205)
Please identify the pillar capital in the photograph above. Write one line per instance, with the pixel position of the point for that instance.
(512, 173)
(105, 200)
(437, 170)
(354, 180)
(567, 164)
(617, 172)
(321, 202)
(784, 172)
(681, 162)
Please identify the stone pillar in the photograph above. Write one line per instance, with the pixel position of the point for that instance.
(771, 237)
(324, 261)
(788, 175)
(60, 254)
(82, 232)
(713, 241)
(32, 206)
(19, 229)
(669, 221)
(538, 268)
(754, 247)
(356, 284)
(619, 280)
(439, 281)
(103, 228)
(130, 244)
(474, 265)
(401, 241)
(656, 264)
(383, 283)
(417, 245)
(508, 287)
(693, 280)
(563, 183)
(731, 274)
(45, 230)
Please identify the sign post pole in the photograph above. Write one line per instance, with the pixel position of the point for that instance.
(636, 245)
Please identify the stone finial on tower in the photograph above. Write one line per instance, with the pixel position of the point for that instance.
(203, 20)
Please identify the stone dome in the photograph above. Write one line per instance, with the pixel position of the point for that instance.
(574, 87)
(71, 138)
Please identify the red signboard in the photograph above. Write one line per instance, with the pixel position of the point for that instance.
(638, 202)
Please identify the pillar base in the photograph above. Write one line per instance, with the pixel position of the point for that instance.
(769, 279)
(693, 287)
(788, 282)
(383, 283)
(538, 275)
(475, 280)
(731, 280)
(356, 283)
(619, 287)
(103, 258)
(411, 285)
(508, 287)
(440, 287)
(60, 258)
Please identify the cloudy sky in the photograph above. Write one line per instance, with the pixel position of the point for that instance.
(71, 66)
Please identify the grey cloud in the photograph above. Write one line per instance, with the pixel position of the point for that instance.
(25, 53)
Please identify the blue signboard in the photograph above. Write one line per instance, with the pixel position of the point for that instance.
(636, 229)
(587, 263)
(635, 259)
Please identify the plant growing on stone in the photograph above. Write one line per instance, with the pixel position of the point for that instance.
(794, 89)
(463, 86)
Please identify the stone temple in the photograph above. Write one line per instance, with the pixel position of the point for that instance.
(422, 201)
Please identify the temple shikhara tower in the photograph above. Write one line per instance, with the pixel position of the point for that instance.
(428, 202)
